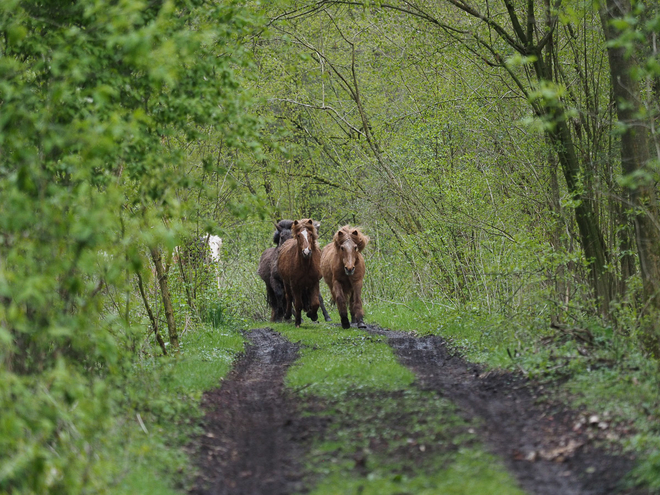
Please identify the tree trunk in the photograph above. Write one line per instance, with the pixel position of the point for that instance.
(167, 300)
(186, 284)
(634, 159)
(154, 322)
(591, 237)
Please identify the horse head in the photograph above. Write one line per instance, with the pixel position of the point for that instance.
(282, 232)
(305, 234)
(347, 249)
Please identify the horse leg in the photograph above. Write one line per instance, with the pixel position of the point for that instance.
(357, 313)
(287, 302)
(340, 299)
(314, 302)
(298, 305)
(279, 298)
(272, 302)
(325, 313)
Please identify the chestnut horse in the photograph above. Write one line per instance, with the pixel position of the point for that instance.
(298, 264)
(342, 267)
(270, 275)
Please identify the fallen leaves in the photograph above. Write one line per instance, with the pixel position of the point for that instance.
(556, 454)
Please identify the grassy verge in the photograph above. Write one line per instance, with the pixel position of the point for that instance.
(383, 436)
(604, 374)
(483, 338)
(164, 410)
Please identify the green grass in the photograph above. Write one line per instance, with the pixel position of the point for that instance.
(333, 360)
(166, 393)
(144, 481)
(207, 355)
(405, 440)
(480, 337)
(471, 472)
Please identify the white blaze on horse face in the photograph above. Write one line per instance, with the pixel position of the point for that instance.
(349, 257)
(306, 251)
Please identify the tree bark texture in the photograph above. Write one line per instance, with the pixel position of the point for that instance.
(634, 158)
(167, 300)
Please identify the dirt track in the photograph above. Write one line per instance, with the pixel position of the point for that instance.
(251, 443)
(256, 440)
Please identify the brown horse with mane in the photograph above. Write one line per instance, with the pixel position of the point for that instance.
(342, 267)
(269, 273)
(298, 264)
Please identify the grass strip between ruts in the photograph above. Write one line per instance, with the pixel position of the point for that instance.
(382, 435)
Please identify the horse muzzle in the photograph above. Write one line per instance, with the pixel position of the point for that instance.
(349, 272)
(306, 253)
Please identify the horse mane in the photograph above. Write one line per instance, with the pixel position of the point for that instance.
(356, 235)
(305, 223)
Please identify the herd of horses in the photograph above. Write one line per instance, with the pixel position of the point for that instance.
(292, 271)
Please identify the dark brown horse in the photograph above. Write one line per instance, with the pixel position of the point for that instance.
(298, 264)
(282, 232)
(270, 275)
(268, 271)
(342, 266)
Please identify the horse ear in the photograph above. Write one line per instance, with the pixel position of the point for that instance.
(278, 227)
(340, 234)
(310, 222)
(355, 232)
(295, 223)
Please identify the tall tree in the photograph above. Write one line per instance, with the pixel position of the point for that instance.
(635, 156)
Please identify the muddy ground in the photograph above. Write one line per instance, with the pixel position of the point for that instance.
(256, 437)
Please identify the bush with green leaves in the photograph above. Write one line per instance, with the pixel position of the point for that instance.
(98, 101)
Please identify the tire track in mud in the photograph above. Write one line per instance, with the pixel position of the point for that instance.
(254, 438)
(534, 437)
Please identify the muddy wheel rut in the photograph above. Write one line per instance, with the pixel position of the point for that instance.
(535, 438)
(256, 439)
(252, 442)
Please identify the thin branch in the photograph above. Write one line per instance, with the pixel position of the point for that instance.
(154, 322)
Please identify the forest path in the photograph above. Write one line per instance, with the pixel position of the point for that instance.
(536, 438)
(257, 440)
(250, 445)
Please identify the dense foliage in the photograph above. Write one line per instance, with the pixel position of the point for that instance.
(486, 149)
(96, 100)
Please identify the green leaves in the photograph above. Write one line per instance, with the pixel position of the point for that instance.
(103, 107)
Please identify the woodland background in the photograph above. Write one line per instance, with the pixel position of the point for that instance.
(503, 156)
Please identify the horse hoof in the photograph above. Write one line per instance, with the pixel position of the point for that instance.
(345, 323)
(328, 319)
(312, 316)
(362, 324)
